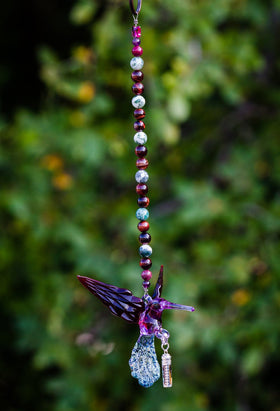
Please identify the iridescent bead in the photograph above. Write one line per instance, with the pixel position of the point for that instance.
(136, 41)
(141, 189)
(141, 176)
(136, 31)
(139, 113)
(143, 226)
(145, 250)
(137, 75)
(143, 201)
(142, 214)
(142, 163)
(139, 125)
(144, 238)
(137, 88)
(141, 151)
(136, 63)
(137, 51)
(146, 284)
(146, 275)
(140, 138)
(145, 263)
(138, 101)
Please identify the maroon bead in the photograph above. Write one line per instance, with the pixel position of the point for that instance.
(139, 113)
(136, 31)
(143, 226)
(137, 51)
(136, 41)
(146, 275)
(146, 284)
(137, 75)
(141, 151)
(145, 263)
(141, 189)
(144, 238)
(143, 201)
(137, 88)
(142, 163)
(139, 125)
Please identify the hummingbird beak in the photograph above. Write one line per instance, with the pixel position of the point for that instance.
(174, 306)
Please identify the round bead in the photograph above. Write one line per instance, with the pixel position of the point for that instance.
(140, 138)
(136, 63)
(137, 75)
(142, 163)
(144, 238)
(138, 101)
(143, 226)
(137, 51)
(146, 275)
(141, 176)
(137, 88)
(145, 263)
(141, 151)
(146, 284)
(139, 113)
(142, 214)
(143, 201)
(145, 250)
(136, 31)
(141, 189)
(136, 41)
(139, 125)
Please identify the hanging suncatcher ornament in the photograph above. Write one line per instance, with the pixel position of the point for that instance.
(145, 311)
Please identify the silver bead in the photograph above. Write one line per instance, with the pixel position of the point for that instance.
(140, 138)
(141, 176)
(136, 63)
(138, 101)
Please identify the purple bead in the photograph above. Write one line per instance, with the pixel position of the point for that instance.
(146, 275)
(139, 125)
(137, 51)
(137, 75)
(146, 284)
(144, 238)
(137, 88)
(136, 41)
(136, 31)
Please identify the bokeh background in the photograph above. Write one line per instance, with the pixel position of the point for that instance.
(67, 202)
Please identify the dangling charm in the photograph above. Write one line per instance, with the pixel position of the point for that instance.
(145, 311)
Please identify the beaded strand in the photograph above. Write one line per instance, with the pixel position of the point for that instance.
(141, 176)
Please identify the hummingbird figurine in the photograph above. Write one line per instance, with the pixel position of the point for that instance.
(146, 312)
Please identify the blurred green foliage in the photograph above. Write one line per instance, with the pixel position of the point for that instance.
(68, 205)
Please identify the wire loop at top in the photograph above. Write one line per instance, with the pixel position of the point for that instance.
(138, 8)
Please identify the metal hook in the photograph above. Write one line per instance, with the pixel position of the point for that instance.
(137, 11)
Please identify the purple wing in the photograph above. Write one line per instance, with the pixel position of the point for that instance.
(121, 302)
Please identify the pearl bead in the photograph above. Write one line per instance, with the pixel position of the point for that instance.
(141, 189)
(143, 201)
(137, 88)
(139, 125)
(144, 238)
(138, 101)
(141, 176)
(136, 63)
(145, 263)
(139, 113)
(140, 138)
(142, 214)
(143, 226)
(137, 51)
(146, 275)
(145, 250)
(142, 163)
(137, 75)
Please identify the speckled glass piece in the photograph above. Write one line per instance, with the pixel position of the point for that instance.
(142, 214)
(136, 63)
(143, 361)
(138, 101)
(140, 138)
(141, 176)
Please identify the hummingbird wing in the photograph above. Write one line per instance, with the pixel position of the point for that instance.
(159, 284)
(121, 302)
